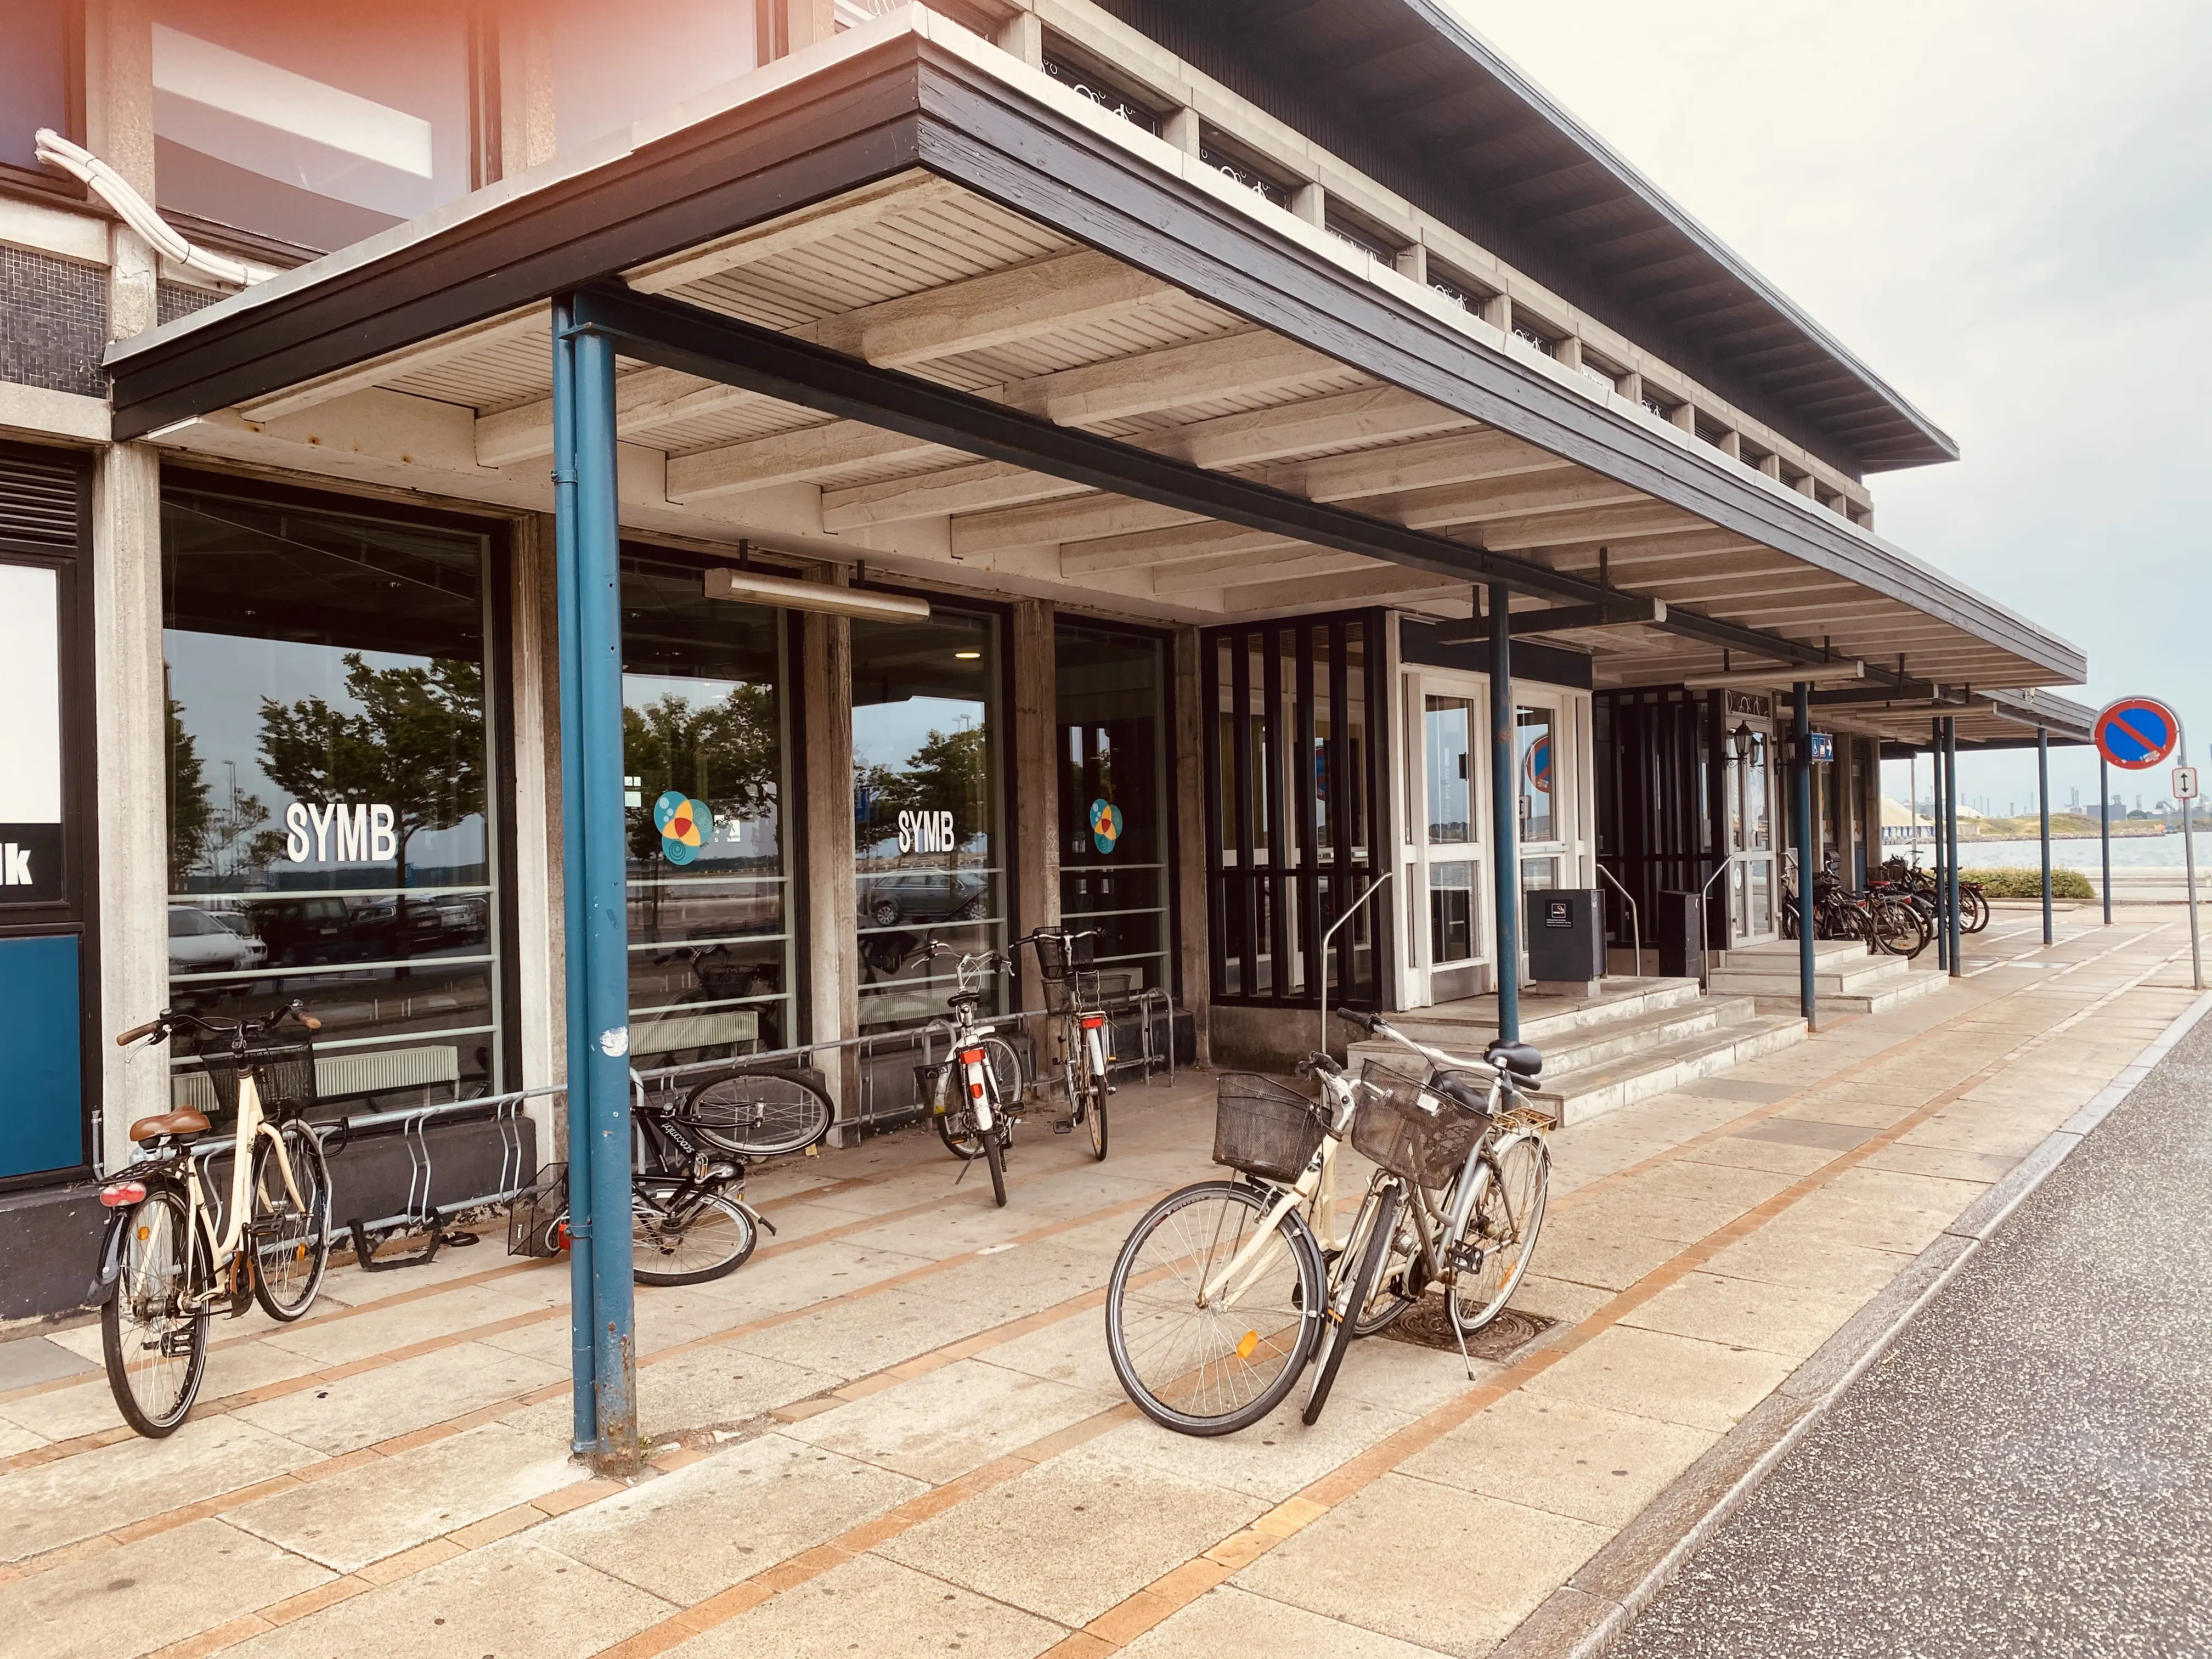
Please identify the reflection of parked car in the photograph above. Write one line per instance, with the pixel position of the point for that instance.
(922, 895)
(306, 929)
(199, 944)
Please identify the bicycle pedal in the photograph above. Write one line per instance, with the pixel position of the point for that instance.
(1064, 1126)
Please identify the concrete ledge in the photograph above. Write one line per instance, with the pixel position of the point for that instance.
(1594, 1608)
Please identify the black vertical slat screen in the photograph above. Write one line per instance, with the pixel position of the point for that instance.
(1309, 796)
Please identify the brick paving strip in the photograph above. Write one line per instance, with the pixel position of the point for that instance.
(1165, 1595)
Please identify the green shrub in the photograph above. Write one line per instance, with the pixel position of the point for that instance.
(2028, 884)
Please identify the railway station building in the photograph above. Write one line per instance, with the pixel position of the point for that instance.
(1075, 461)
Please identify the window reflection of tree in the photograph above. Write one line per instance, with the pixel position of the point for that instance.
(417, 746)
(947, 772)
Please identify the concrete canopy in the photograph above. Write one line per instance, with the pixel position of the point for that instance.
(1209, 409)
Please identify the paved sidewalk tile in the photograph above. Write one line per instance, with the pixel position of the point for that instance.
(1228, 1620)
(879, 1609)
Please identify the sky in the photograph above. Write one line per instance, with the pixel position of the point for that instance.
(2004, 208)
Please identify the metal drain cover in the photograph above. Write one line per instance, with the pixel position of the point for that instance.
(1427, 1325)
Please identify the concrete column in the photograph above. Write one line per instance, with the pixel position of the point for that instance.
(1311, 203)
(824, 776)
(1497, 312)
(130, 703)
(526, 132)
(1023, 35)
(1188, 770)
(1631, 386)
(1413, 263)
(536, 889)
(1568, 353)
(784, 26)
(1034, 788)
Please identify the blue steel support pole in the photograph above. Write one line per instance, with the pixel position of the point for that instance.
(1935, 811)
(581, 1323)
(1801, 790)
(1506, 865)
(2105, 830)
(2043, 796)
(1951, 837)
(605, 883)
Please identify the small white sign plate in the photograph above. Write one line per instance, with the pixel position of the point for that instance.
(2185, 783)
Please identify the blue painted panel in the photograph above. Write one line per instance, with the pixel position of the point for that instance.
(41, 1086)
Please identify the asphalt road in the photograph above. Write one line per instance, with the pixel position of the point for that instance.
(2029, 1471)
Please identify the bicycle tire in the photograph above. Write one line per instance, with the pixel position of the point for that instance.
(957, 1127)
(1087, 1096)
(994, 1154)
(1390, 1297)
(650, 1262)
(758, 1114)
(1143, 1294)
(302, 1235)
(1973, 910)
(164, 1211)
(1340, 1332)
(1466, 1321)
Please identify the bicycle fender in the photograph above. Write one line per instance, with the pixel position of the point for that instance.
(1298, 1226)
(110, 1258)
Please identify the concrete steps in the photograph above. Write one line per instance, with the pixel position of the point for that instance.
(1846, 980)
(1634, 1039)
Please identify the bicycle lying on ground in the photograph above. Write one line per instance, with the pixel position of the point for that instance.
(975, 1096)
(1225, 1289)
(171, 1253)
(689, 1222)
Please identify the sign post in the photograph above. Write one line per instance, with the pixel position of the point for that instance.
(2136, 733)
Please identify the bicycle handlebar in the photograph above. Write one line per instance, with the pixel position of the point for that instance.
(156, 1030)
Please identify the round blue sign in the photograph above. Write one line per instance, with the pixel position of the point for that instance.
(2136, 733)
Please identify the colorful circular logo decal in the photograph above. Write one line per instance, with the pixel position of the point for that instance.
(1105, 824)
(684, 826)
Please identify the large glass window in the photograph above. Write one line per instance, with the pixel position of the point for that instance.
(316, 125)
(927, 848)
(1114, 874)
(34, 78)
(330, 756)
(703, 758)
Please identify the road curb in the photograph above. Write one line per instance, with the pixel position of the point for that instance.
(1590, 1612)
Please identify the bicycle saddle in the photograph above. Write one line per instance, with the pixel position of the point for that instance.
(1520, 1059)
(185, 1122)
(964, 999)
(1464, 1090)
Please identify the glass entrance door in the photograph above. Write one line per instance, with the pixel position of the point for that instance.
(1751, 817)
(1445, 916)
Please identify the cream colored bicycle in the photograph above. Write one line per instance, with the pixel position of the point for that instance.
(173, 1254)
(1224, 1290)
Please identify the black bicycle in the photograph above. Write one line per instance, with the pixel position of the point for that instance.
(688, 1218)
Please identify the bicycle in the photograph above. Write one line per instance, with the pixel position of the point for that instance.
(976, 1119)
(1085, 1042)
(758, 1114)
(1224, 1290)
(689, 1222)
(1925, 885)
(164, 1267)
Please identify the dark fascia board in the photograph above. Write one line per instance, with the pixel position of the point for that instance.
(1497, 67)
(904, 101)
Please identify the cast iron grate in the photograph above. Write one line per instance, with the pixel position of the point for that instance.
(1426, 1325)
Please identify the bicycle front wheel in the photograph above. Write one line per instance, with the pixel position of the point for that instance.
(1501, 1231)
(1973, 911)
(994, 1154)
(677, 1241)
(1202, 1357)
(291, 1235)
(759, 1114)
(1365, 1257)
(154, 1345)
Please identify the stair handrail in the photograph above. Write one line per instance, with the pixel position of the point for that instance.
(1635, 927)
(1350, 911)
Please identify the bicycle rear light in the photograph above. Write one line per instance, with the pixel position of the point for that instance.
(971, 1056)
(117, 1193)
(1092, 1022)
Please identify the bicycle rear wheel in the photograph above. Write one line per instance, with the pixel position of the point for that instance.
(710, 1235)
(1973, 911)
(154, 1347)
(291, 1241)
(1087, 1105)
(1341, 1326)
(759, 1114)
(1501, 1232)
(957, 1127)
(1208, 1365)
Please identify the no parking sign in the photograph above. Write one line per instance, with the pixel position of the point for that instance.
(2136, 733)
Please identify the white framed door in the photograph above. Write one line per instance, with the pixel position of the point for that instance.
(1748, 784)
(1443, 863)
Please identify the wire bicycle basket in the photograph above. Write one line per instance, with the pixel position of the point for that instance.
(1067, 964)
(1263, 1128)
(283, 1071)
(1410, 1130)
